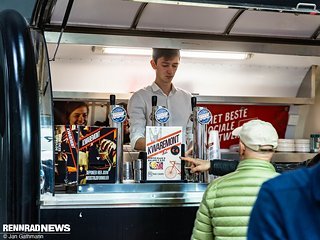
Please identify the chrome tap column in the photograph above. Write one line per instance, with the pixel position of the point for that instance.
(201, 116)
(117, 115)
(159, 115)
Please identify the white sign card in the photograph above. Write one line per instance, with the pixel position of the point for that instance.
(163, 147)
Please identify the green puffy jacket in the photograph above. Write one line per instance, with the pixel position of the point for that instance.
(226, 204)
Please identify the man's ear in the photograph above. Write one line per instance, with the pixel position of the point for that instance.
(242, 148)
(153, 64)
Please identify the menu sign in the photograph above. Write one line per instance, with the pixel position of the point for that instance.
(163, 147)
(66, 153)
(97, 155)
(85, 154)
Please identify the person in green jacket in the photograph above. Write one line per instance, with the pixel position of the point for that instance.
(227, 202)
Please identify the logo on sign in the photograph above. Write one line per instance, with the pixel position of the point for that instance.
(204, 116)
(156, 165)
(118, 114)
(162, 115)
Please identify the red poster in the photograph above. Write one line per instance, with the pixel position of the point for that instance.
(225, 118)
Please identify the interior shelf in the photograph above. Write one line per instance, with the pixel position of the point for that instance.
(285, 157)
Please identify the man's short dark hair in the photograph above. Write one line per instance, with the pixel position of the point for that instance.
(167, 53)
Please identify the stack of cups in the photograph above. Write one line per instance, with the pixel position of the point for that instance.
(213, 149)
(138, 166)
(285, 145)
(128, 172)
(137, 170)
(302, 145)
(293, 145)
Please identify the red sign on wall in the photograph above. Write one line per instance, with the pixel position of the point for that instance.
(225, 118)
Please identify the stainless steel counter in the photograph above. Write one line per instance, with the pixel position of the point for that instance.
(128, 195)
(144, 194)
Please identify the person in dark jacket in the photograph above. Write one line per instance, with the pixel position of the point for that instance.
(220, 167)
(288, 207)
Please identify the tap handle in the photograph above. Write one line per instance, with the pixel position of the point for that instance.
(154, 100)
(112, 99)
(193, 102)
(142, 156)
(183, 150)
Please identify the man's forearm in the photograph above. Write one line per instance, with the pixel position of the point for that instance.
(140, 144)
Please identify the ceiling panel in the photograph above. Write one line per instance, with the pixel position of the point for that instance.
(185, 18)
(111, 13)
(166, 18)
(276, 24)
(274, 5)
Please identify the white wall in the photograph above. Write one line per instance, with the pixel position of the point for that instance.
(78, 69)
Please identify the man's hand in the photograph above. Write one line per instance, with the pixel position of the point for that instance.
(197, 165)
(189, 152)
(140, 144)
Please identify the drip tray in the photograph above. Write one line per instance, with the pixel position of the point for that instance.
(142, 187)
(128, 195)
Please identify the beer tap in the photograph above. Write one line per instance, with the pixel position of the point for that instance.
(159, 114)
(154, 101)
(117, 115)
(200, 117)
